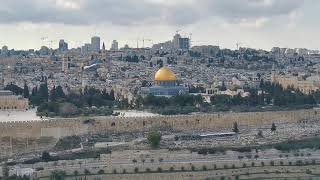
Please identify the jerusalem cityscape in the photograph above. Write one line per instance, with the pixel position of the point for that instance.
(159, 89)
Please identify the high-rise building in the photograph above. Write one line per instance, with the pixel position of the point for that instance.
(95, 44)
(180, 42)
(4, 51)
(63, 46)
(115, 45)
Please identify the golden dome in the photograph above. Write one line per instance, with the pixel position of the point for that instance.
(165, 74)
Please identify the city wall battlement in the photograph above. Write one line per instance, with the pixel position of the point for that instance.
(77, 126)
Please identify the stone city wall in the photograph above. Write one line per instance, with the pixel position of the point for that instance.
(32, 136)
(65, 127)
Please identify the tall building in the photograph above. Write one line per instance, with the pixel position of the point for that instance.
(95, 44)
(63, 46)
(180, 42)
(115, 45)
(86, 48)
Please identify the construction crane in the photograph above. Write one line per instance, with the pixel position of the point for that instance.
(143, 40)
(43, 39)
(238, 44)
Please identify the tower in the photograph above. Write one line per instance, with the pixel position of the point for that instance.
(95, 44)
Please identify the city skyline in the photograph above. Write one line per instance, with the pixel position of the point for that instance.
(251, 23)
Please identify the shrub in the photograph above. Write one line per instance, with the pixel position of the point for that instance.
(148, 170)
(193, 168)
(171, 169)
(204, 167)
(308, 171)
(159, 169)
(124, 171)
(114, 171)
(262, 163)
(136, 170)
(154, 139)
(45, 156)
(271, 163)
(252, 164)
(244, 165)
(182, 168)
(87, 172)
(101, 171)
(75, 173)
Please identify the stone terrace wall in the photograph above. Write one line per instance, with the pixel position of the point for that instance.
(65, 127)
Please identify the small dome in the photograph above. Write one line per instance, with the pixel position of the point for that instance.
(165, 74)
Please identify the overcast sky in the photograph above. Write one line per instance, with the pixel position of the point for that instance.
(253, 23)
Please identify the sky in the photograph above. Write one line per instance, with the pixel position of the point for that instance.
(260, 24)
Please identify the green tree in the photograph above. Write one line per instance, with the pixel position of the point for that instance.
(57, 175)
(45, 156)
(26, 93)
(273, 127)
(43, 92)
(154, 139)
(235, 127)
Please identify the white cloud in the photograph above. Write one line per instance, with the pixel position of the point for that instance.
(128, 12)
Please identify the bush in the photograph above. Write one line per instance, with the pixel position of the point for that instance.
(58, 175)
(136, 170)
(182, 168)
(159, 169)
(271, 163)
(101, 171)
(308, 171)
(252, 164)
(67, 143)
(87, 172)
(171, 169)
(262, 163)
(204, 167)
(148, 170)
(76, 173)
(193, 168)
(154, 139)
(124, 171)
(244, 165)
(46, 156)
(114, 171)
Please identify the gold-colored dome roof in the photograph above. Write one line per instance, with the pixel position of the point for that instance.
(165, 74)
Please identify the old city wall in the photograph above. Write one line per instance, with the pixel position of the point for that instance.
(32, 136)
(65, 127)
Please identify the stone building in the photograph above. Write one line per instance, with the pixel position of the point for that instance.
(305, 85)
(9, 101)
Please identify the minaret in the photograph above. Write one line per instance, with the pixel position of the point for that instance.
(103, 47)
